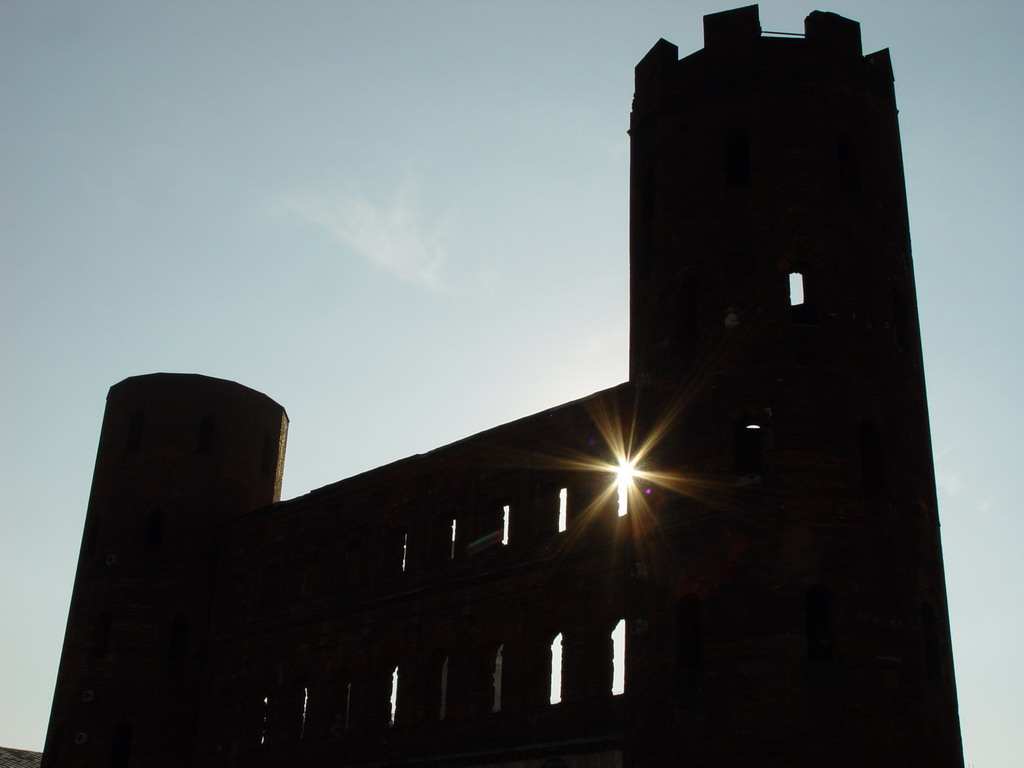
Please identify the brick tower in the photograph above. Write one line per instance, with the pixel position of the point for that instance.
(178, 454)
(774, 326)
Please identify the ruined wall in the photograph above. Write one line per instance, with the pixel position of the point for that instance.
(320, 599)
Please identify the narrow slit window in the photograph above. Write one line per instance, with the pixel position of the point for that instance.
(305, 711)
(442, 709)
(563, 509)
(394, 696)
(801, 297)
(556, 670)
(264, 713)
(455, 530)
(504, 525)
(796, 289)
(619, 658)
(405, 550)
(496, 679)
(624, 476)
(348, 703)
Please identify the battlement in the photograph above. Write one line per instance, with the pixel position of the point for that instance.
(737, 28)
(736, 35)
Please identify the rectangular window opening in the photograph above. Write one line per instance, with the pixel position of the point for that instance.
(263, 722)
(394, 696)
(348, 703)
(796, 289)
(451, 552)
(563, 509)
(556, 669)
(305, 709)
(619, 658)
(405, 549)
(496, 702)
(624, 482)
(504, 526)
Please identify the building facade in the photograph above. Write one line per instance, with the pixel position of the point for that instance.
(732, 559)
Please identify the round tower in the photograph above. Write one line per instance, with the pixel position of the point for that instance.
(178, 454)
(803, 618)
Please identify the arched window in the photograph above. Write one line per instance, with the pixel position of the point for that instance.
(556, 670)
(818, 609)
(394, 697)
(449, 535)
(396, 550)
(802, 299)
(499, 659)
(305, 712)
(618, 638)
(342, 703)
(264, 719)
(435, 685)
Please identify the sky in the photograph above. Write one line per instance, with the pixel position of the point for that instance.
(406, 222)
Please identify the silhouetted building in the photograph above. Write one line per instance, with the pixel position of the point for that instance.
(770, 593)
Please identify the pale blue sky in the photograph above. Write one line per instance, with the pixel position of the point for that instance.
(407, 222)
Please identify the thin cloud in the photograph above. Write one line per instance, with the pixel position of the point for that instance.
(392, 237)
